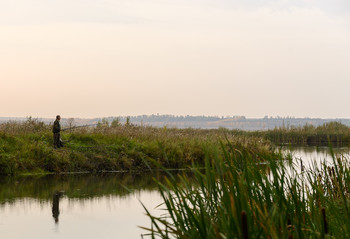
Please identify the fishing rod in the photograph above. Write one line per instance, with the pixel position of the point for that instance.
(80, 126)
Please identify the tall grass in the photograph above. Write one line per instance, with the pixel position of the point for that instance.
(27, 147)
(236, 198)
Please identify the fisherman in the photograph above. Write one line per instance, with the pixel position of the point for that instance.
(57, 142)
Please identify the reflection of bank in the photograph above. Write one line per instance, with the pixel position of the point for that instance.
(56, 205)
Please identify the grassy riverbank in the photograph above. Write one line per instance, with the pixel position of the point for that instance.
(27, 147)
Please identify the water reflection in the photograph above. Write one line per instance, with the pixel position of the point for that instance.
(309, 157)
(81, 206)
(56, 205)
(75, 186)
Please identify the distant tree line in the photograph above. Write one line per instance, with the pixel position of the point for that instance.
(230, 122)
(205, 122)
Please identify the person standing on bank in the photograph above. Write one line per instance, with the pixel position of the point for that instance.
(57, 143)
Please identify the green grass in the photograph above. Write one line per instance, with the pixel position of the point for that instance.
(235, 198)
(27, 147)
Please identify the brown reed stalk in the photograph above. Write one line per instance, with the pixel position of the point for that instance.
(325, 224)
(244, 225)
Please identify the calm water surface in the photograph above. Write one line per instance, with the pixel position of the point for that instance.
(92, 206)
(77, 206)
(315, 155)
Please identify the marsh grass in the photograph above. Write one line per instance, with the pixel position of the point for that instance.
(234, 198)
(308, 135)
(27, 147)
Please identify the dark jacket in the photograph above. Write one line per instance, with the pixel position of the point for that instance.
(56, 127)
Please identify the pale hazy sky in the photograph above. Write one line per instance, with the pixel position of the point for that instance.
(90, 58)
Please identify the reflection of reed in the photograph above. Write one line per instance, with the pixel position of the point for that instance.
(79, 186)
(56, 205)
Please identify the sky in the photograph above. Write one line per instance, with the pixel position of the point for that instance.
(99, 58)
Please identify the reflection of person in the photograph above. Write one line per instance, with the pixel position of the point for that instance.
(57, 143)
(56, 205)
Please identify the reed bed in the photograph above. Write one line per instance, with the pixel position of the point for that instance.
(308, 135)
(236, 198)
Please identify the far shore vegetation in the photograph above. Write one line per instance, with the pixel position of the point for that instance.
(26, 147)
(331, 133)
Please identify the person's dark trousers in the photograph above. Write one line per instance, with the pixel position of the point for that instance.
(57, 143)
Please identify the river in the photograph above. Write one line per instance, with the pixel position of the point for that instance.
(93, 206)
(77, 206)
